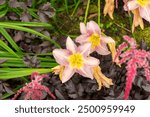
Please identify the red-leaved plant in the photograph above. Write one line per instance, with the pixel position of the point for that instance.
(134, 58)
(34, 89)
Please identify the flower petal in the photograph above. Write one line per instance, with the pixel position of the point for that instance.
(91, 61)
(61, 56)
(113, 51)
(84, 49)
(102, 50)
(107, 39)
(137, 20)
(67, 74)
(70, 45)
(101, 79)
(86, 71)
(109, 8)
(132, 5)
(82, 39)
(145, 13)
(83, 28)
(93, 27)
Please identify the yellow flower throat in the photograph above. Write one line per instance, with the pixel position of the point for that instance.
(143, 3)
(76, 61)
(95, 40)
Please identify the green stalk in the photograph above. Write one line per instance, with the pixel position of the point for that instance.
(66, 6)
(76, 6)
(86, 12)
(131, 22)
(74, 1)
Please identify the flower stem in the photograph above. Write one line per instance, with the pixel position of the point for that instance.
(66, 6)
(76, 7)
(86, 12)
(99, 13)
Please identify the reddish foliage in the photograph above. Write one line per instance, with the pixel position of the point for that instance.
(33, 90)
(135, 58)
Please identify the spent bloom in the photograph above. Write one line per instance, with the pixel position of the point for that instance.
(140, 9)
(91, 33)
(134, 58)
(75, 59)
(34, 89)
(109, 8)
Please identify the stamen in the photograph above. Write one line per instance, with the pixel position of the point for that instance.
(143, 3)
(95, 40)
(76, 61)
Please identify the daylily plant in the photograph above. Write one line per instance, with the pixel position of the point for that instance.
(91, 33)
(140, 9)
(75, 59)
(109, 8)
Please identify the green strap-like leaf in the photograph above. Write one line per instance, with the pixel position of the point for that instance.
(28, 30)
(30, 24)
(21, 73)
(4, 46)
(10, 40)
(3, 12)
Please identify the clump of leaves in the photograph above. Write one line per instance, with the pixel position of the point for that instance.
(45, 12)
(134, 58)
(31, 61)
(4, 87)
(34, 89)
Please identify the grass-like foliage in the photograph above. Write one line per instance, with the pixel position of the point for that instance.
(134, 58)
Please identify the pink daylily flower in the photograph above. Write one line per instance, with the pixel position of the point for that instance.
(74, 59)
(140, 9)
(91, 33)
(142, 5)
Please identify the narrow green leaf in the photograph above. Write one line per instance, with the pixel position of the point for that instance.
(3, 12)
(16, 10)
(8, 64)
(32, 13)
(4, 46)
(21, 73)
(66, 6)
(7, 54)
(6, 95)
(10, 40)
(10, 58)
(3, 6)
(76, 7)
(22, 65)
(30, 31)
(3, 70)
(31, 24)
